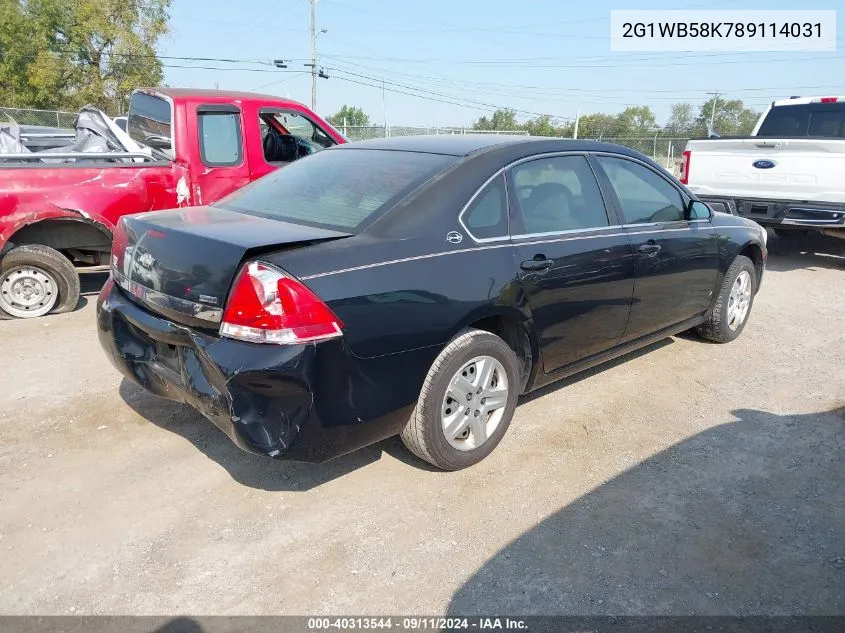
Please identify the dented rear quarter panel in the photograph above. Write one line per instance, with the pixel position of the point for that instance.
(99, 194)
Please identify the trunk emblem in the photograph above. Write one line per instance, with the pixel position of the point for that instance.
(146, 260)
(453, 237)
(763, 164)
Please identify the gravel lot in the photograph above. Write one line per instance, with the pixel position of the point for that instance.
(687, 478)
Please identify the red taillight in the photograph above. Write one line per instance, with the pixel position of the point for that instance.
(685, 161)
(268, 306)
(829, 99)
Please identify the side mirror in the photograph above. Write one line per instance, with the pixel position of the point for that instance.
(697, 210)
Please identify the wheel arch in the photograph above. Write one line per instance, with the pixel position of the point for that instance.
(514, 327)
(753, 251)
(63, 234)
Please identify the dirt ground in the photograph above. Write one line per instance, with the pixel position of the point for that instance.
(686, 478)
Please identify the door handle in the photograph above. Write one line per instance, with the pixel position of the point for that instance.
(650, 249)
(537, 264)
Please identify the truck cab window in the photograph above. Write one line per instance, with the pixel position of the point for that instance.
(287, 136)
(220, 138)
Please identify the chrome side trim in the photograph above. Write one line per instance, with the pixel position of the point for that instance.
(155, 299)
(565, 238)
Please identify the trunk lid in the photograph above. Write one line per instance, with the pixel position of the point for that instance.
(181, 263)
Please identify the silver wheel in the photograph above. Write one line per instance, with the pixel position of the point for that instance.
(474, 403)
(27, 291)
(739, 300)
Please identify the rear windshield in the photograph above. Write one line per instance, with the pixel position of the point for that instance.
(342, 189)
(807, 119)
(149, 118)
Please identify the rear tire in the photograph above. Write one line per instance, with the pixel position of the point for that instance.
(466, 403)
(733, 304)
(37, 280)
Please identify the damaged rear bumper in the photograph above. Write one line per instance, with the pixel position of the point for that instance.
(283, 401)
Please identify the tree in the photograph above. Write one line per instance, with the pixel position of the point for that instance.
(68, 53)
(349, 115)
(595, 126)
(732, 117)
(635, 121)
(503, 119)
(681, 122)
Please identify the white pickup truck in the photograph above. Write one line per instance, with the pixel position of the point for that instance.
(788, 175)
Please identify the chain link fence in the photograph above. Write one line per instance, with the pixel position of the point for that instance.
(359, 133)
(45, 118)
(664, 150)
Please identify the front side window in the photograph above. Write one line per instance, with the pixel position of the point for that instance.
(557, 194)
(287, 136)
(220, 138)
(487, 216)
(341, 189)
(643, 195)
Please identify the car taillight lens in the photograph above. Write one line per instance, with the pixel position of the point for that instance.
(268, 306)
(829, 99)
(685, 160)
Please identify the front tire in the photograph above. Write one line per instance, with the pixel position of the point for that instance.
(35, 280)
(466, 403)
(733, 305)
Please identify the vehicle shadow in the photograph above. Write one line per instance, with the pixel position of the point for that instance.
(269, 474)
(746, 518)
(811, 251)
(258, 472)
(92, 283)
(593, 371)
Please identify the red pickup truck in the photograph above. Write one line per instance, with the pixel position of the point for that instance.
(182, 147)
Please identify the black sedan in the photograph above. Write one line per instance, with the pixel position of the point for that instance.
(417, 286)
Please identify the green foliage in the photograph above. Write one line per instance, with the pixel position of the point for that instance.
(634, 121)
(505, 120)
(732, 118)
(501, 120)
(354, 117)
(682, 121)
(63, 54)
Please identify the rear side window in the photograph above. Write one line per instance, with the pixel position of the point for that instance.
(150, 120)
(342, 189)
(487, 216)
(807, 119)
(220, 138)
(643, 195)
(558, 194)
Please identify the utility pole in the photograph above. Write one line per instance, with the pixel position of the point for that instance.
(313, 55)
(716, 96)
(577, 121)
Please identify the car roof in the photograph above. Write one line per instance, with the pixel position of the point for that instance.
(466, 144)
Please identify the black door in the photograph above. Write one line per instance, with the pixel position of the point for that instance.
(576, 267)
(676, 257)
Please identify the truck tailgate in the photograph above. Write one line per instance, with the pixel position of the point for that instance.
(804, 169)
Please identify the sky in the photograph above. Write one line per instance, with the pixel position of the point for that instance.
(448, 62)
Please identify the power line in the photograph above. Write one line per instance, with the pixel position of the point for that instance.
(455, 100)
